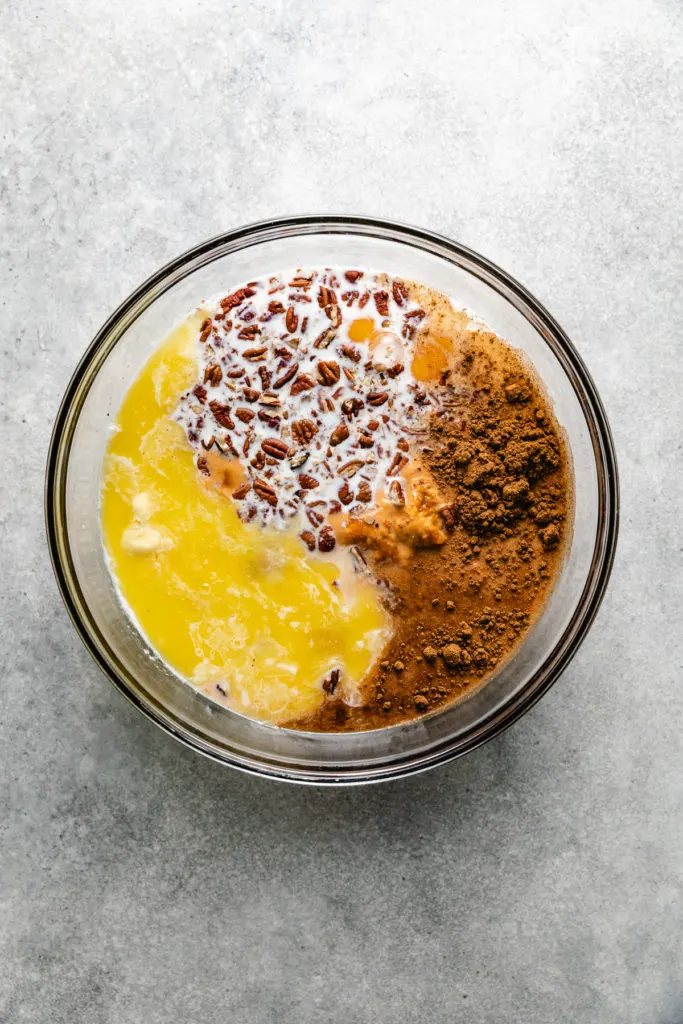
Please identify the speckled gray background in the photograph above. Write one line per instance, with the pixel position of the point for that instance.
(538, 880)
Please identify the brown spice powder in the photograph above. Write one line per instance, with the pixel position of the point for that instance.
(460, 609)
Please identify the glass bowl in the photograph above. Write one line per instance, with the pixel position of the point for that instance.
(90, 406)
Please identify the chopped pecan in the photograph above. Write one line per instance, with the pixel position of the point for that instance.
(325, 339)
(200, 392)
(394, 370)
(203, 466)
(365, 441)
(290, 372)
(241, 492)
(328, 372)
(363, 300)
(399, 461)
(230, 301)
(309, 539)
(259, 460)
(396, 493)
(352, 406)
(350, 469)
(246, 415)
(213, 375)
(291, 320)
(265, 492)
(249, 333)
(400, 292)
(330, 682)
(326, 539)
(351, 352)
(255, 354)
(334, 315)
(402, 444)
(237, 372)
(349, 374)
(364, 493)
(275, 447)
(339, 434)
(382, 302)
(270, 400)
(301, 282)
(326, 297)
(373, 425)
(345, 494)
(275, 307)
(250, 394)
(298, 460)
(302, 383)
(266, 377)
(353, 275)
(271, 419)
(308, 482)
(376, 398)
(222, 414)
(303, 430)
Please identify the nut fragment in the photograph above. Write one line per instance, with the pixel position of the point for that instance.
(339, 434)
(350, 469)
(345, 494)
(302, 383)
(377, 398)
(309, 539)
(330, 683)
(213, 375)
(290, 372)
(250, 394)
(255, 354)
(308, 482)
(303, 430)
(299, 459)
(291, 320)
(275, 447)
(241, 492)
(222, 414)
(326, 540)
(328, 372)
(382, 302)
(245, 415)
(265, 492)
(396, 493)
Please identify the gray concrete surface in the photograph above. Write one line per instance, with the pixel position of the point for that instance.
(538, 880)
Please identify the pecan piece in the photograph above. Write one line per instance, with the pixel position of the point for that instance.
(205, 330)
(291, 320)
(213, 375)
(345, 494)
(250, 394)
(265, 492)
(259, 460)
(302, 383)
(394, 370)
(309, 539)
(382, 302)
(255, 354)
(246, 415)
(203, 466)
(351, 407)
(325, 339)
(234, 374)
(400, 292)
(353, 275)
(365, 441)
(249, 333)
(339, 434)
(396, 494)
(308, 483)
(222, 414)
(326, 297)
(351, 352)
(326, 540)
(275, 447)
(350, 469)
(364, 493)
(290, 372)
(275, 307)
(328, 372)
(303, 430)
(265, 376)
(334, 314)
(331, 681)
(230, 301)
(399, 461)
(200, 393)
(241, 492)
(376, 398)
(298, 460)
(300, 282)
(271, 400)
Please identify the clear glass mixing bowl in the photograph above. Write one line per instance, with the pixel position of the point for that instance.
(73, 479)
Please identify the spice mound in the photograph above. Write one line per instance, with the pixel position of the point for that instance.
(334, 501)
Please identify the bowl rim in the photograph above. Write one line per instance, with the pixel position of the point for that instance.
(604, 550)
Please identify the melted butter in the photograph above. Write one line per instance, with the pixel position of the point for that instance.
(231, 607)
